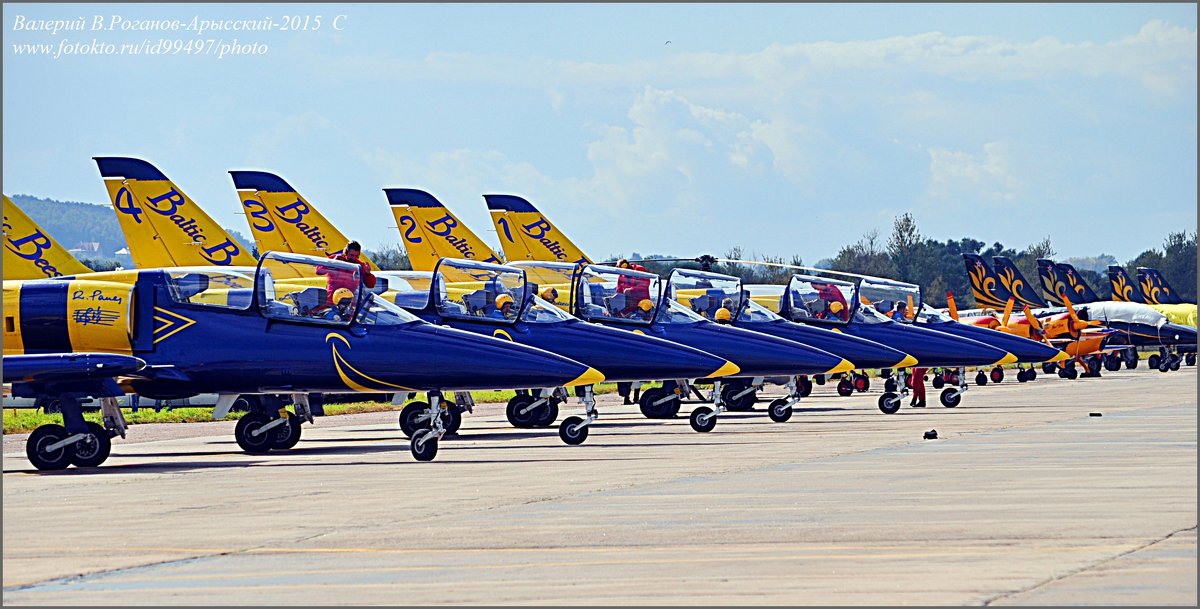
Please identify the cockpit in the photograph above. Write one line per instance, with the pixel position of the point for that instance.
(712, 296)
(308, 289)
(605, 293)
(808, 298)
(469, 289)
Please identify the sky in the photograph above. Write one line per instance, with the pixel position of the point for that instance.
(785, 129)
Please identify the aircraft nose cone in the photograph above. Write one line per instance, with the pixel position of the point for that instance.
(933, 348)
(622, 355)
(763, 355)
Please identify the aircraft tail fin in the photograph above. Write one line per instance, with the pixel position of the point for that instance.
(526, 234)
(985, 285)
(1155, 288)
(1051, 281)
(1124, 288)
(1012, 279)
(1081, 292)
(281, 219)
(431, 231)
(162, 226)
(30, 252)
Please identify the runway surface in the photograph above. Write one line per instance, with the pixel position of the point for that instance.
(1023, 499)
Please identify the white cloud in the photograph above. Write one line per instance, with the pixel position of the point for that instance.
(964, 178)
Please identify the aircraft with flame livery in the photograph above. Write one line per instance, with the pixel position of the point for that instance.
(920, 343)
(1144, 326)
(1086, 340)
(170, 333)
(1125, 289)
(282, 220)
(30, 252)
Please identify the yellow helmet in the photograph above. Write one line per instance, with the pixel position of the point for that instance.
(549, 294)
(645, 304)
(836, 307)
(342, 294)
(722, 314)
(502, 300)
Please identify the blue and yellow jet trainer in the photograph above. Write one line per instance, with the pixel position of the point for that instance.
(635, 301)
(498, 300)
(170, 333)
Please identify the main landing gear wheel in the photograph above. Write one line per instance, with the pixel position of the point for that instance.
(997, 374)
(571, 433)
(1022, 375)
(703, 420)
(42, 437)
(1069, 373)
(413, 417)
(981, 378)
(424, 445)
(861, 383)
(94, 449)
(729, 395)
(889, 385)
(1154, 361)
(780, 411)
(889, 403)
(1190, 359)
(255, 444)
(950, 397)
(521, 417)
(651, 409)
(1112, 362)
(938, 381)
(1049, 367)
(806, 385)
(452, 418)
(844, 388)
(1175, 362)
(287, 435)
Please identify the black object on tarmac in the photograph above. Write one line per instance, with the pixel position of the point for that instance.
(931, 434)
(1094, 414)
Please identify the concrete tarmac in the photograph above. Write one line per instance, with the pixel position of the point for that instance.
(1023, 499)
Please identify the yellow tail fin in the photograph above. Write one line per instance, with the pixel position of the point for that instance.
(30, 253)
(282, 219)
(525, 234)
(441, 233)
(162, 226)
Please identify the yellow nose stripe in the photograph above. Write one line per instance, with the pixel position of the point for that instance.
(908, 362)
(1007, 359)
(725, 370)
(1061, 357)
(845, 366)
(587, 378)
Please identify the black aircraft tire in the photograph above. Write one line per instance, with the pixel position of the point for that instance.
(244, 434)
(1031, 374)
(819, 379)
(547, 415)
(519, 419)
(646, 403)
(1190, 359)
(570, 433)
(702, 419)
(889, 386)
(423, 451)
(1154, 360)
(1022, 376)
(743, 403)
(981, 378)
(93, 450)
(412, 418)
(938, 381)
(780, 411)
(889, 403)
(452, 419)
(997, 374)
(1049, 367)
(1112, 362)
(806, 387)
(45, 435)
(844, 388)
(862, 383)
(950, 398)
(287, 435)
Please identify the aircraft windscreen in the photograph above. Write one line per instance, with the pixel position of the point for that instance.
(673, 312)
(706, 293)
(897, 300)
(479, 289)
(543, 312)
(306, 288)
(210, 287)
(870, 315)
(379, 312)
(608, 293)
(812, 298)
(756, 313)
(408, 289)
(929, 314)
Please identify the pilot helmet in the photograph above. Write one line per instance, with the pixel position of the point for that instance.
(342, 296)
(645, 304)
(502, 300)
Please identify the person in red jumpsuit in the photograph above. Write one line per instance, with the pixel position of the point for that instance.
(340, 278)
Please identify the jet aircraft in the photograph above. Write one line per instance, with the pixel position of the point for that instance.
(168, 333)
